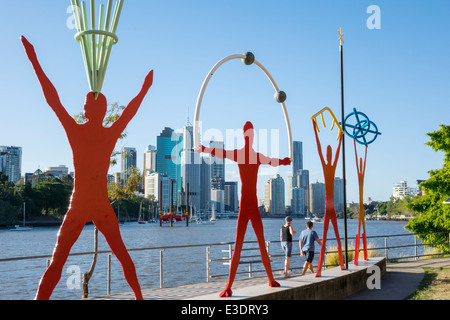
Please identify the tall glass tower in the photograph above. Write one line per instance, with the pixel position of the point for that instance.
(11, 162)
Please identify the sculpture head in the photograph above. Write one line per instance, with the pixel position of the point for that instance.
(329, 154)
(248, 133)
(95, 108)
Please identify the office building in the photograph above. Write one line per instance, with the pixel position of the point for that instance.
(298, 201)
(190, 170)
(205, 183)
(11, 162)
(58, 172)
(297, 164)
(168, 146)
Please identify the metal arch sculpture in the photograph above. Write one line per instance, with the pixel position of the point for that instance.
(248, 59)
(357, 125)
(329, 170)
(248, 161)
(92, 145)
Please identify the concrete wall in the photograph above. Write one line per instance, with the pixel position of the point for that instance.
(334, 283)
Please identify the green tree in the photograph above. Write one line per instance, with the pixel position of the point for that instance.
(434, 214)
(53, 197)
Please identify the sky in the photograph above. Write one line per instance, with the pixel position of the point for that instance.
(396, 67)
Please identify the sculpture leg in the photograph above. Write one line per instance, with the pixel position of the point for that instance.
(338, 239)
(259, 231)
(323, 247)
(109, 227)
(357, 242)
(240, 234)
(68, 234)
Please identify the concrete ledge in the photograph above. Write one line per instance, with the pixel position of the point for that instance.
(334, 284)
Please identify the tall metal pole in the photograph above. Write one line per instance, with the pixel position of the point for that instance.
(341, 50)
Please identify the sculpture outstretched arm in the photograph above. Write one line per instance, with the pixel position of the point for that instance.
(319, 146)
(133, 106)
(219, 153)
(50, 93)
(338, 149)
(274, 162)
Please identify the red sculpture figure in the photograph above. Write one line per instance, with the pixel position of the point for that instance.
(361, 168)
(329, 170)
(248, 161)
(92, 145)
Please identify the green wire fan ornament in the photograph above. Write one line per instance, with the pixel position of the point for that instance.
(96, 43)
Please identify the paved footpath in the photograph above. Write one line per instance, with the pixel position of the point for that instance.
(400, 280)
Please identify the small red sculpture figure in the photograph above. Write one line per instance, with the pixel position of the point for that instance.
(361, 168)
(248, 161)
(329, 170)
(92, 145)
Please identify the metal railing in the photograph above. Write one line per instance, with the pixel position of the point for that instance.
(253, 259)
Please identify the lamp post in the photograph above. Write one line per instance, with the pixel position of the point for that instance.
(341, 50)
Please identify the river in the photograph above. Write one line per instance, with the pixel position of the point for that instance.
(19, 279)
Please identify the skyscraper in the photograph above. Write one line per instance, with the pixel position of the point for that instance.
(168, 145)
(298, 157)
(317, 198)
(338, 194)
(205, 183)
(217, 168)
(128, 161)
(231, 196)
(274, 195)
(11, 162)
(190, 169)
(149, 160)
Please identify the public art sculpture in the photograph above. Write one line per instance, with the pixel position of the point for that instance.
(248, 161)
(329, 170)
(92, 145)
(363, 131)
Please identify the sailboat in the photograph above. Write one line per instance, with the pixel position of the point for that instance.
(140, 213)
(21, 227)
(213, 215)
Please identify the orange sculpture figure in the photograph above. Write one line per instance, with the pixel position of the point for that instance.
(92, 145)
(361, 168)
(329, 170)
(248, 161)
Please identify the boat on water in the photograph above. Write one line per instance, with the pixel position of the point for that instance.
(21, 227)
(316, 219)
(141, 218)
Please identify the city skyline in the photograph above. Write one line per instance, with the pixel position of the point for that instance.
(402, 86)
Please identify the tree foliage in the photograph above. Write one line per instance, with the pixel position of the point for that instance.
(434, 215)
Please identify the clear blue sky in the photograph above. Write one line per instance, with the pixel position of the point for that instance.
(398, 75)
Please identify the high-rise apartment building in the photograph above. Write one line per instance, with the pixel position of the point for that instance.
(128, 161)
(274, 196)
(11, 162)
(317, 198)
(149, 163)
(338, 194)
(231, 196)
(159, 186)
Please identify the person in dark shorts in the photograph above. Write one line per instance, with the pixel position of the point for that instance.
(286, 234)
(306, 243)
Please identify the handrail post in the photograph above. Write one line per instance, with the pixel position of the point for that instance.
(385, 248)
(161, 280)
(108, 277)
(207, 264)
(415, 248)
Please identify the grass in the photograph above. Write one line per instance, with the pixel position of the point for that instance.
(434, 286)
(332, 259)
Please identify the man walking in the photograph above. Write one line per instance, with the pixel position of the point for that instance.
(306, 243)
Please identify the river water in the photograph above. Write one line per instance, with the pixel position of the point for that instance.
(19, 279)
